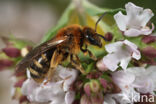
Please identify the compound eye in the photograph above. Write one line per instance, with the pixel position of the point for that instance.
(91, 40)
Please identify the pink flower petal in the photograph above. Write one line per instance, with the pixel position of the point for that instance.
(146, 15)
(134, 23)
(69, 97)
(101, 66)
(132, 32)
(121, 21)
(19, 83)
(95, 86)
(97, 99)
(85, 100)
(123, 79)
(103, 82)
(87, 89)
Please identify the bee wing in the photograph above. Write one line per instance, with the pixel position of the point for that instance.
(38, 51)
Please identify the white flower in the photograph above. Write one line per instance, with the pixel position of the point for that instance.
(135, 22)
(125, 81)
(119, 52)
(139, 78)
(56, 92)
(145, 79)
(109, 100)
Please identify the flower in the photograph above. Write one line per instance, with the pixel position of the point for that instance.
(144, 79)
(132, 82)
(94, 99)
(56, 91)
(119, 52)
(125, 82)
(135, 22)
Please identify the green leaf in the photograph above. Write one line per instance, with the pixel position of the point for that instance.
(90, 67)
(78, 96)
(106, 77)
(62, 22)
(93, 10)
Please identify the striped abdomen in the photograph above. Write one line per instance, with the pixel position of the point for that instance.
(40, 66)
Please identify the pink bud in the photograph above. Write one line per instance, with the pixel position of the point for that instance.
(97, 99)
(94, 75)
(95, 87)
(20, 73)
(101, 66)
(23, 99)
(85, 100)
(149, 51)
(109, 36)
(87, 89)
(149, 39)
(19, 83)
(5, 63)
(11, 51)
(103, 83)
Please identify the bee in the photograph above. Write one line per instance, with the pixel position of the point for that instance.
(68, 42)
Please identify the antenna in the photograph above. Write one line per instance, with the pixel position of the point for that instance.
(99, 20)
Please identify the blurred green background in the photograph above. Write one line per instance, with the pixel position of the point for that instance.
(31, 19)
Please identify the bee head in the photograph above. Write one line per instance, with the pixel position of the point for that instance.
(92, 37)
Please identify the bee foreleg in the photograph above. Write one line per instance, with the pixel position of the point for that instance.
(86, 51)
(55, 60)
(75, 61)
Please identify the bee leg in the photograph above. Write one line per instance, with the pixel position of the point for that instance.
(75, 61)
(86, 51)
(55, 60)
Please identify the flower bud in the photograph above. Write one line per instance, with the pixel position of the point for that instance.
(94, 75)
(149, 51)
(5, 63)
(87, 89)
(85, 100)
(97, 99)
(19, 83)
(149, 39)
(11, 51)
(109, 36)
(95, 86)
(101, 66)
(103, 83)
(23, 99)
